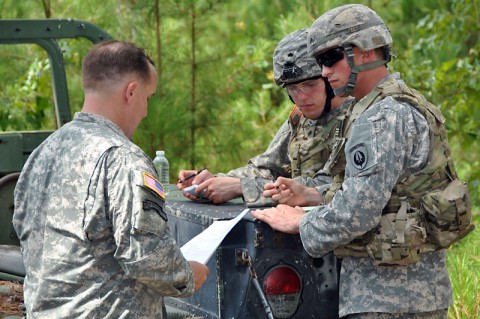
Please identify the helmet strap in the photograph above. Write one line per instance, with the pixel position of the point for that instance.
(355, 69)
(330, 95)
(291, 99)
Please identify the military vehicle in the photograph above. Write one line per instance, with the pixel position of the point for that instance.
(15, 147)
(256, 272)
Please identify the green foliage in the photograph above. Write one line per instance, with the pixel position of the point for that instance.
(13, 9)
(26, 95)
(213, 86)
(216, 102)
(464, 266)
(444, 64)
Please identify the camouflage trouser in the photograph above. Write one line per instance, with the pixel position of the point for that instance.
(437, 314)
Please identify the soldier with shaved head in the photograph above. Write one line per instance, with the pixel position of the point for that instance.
(89, 210)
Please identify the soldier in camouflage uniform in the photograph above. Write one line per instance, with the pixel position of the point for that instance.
(303, 143)
(395, 163)
(89, 210)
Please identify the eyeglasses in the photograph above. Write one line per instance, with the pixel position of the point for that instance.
(330, 57)
(306, 87)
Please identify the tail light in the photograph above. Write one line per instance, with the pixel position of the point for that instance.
(282, 287)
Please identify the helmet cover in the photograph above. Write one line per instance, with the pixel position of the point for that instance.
(291, 63)
(353, 24)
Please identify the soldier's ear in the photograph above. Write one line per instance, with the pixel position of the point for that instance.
(368, 56)
(131, 90)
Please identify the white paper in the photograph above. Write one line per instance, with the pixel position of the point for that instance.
(201, 247)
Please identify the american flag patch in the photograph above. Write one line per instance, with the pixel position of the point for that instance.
(152, 183)
(295, 115)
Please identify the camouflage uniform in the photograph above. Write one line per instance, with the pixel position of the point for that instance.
(297, 151)
(394, 137)
(301, 146)
(389, 139)
(94, 234)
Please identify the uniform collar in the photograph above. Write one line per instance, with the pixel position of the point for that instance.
(99, 119)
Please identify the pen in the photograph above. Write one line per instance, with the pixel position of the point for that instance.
(192, 175)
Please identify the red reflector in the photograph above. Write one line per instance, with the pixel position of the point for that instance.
(281, 280)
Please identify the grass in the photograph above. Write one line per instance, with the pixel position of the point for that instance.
(464, 268)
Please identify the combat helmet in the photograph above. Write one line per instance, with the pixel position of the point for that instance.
(348, 26)
(292, 63)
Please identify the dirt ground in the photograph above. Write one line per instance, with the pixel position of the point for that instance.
(11, 299)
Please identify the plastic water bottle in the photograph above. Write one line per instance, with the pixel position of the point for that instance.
(162, 166)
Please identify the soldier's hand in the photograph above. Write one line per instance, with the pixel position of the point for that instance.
(200, 272)
(221, 188)
(270, 189)
(182, 183)
(282, 187)
(202, 177)
(282, 218)
(290, 192)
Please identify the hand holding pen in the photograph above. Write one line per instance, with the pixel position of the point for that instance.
(191, 175)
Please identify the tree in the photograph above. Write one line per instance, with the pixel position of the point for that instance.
(217, 104)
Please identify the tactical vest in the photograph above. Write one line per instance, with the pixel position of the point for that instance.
(428, 210)
(312, 142)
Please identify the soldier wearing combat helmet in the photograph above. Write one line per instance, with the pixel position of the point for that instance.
(396, 201)
(342, 29)
(301, 146)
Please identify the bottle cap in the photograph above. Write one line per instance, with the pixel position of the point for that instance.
(160, 152)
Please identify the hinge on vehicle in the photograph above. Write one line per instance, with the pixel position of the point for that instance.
(241, 257)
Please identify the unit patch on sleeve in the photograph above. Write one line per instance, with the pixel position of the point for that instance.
(359, 156)
(152, 183)
(359, 150)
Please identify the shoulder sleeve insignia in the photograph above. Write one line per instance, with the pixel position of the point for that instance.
(151, 205)
(359, 156)
(152, 183)
(361, 159)
(295, 115)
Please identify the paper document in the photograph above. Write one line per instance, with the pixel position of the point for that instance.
(201, 247)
